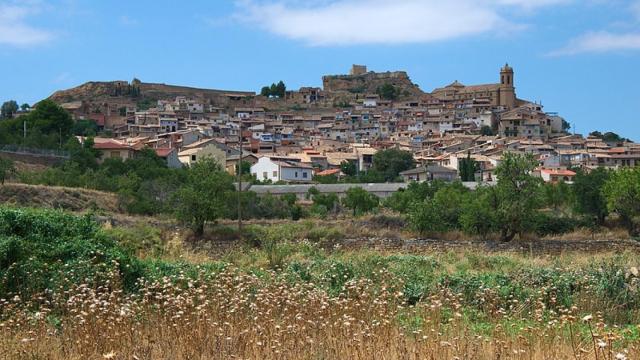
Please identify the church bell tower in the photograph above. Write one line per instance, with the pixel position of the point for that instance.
(507, 90)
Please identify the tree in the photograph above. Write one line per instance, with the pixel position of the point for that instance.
(556, 196)
(486, 131)
(273, 90)
(622, 192)
(388, 92)
(85, 127)
(349, 168)
(25, 107)
(7, 168)
(425, 217)
(518, 195)
(281, 89)
(204, 195)
(588, 197)
(478, 216)
(566, 126)
(468, 168)
(265, 91)
(391, 162)
(360, 201)
(8, 109)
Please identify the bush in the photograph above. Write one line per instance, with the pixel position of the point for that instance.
(42, 250)
(547, 224)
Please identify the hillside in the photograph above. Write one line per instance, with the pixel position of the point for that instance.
(54, 197)
(136, 90)
(368, 83)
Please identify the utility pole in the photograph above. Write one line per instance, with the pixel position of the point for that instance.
(239, 171)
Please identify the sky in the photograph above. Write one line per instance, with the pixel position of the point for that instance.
(580, 58)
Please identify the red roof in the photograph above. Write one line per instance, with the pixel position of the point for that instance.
(328, 172)
(559, 172)
(164, 152)
(111, 145)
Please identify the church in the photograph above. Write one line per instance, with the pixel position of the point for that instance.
(498, 96)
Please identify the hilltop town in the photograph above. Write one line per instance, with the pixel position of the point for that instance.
(301, 134)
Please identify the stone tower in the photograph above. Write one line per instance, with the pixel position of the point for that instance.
(507, 90)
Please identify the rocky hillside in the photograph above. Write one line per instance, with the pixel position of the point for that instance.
(136, 90)
(369, 83)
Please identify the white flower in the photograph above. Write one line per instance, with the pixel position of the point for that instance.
(587, 318)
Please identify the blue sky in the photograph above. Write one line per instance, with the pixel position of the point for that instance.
(580, 58)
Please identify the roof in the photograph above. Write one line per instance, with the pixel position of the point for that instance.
(558, 172)
(328, 172)
(164, 152)
(110, 144)
(292, 164)
(429, 169)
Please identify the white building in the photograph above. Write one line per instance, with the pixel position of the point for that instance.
(281, 169)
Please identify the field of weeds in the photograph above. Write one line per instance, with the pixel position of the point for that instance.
(71, 290)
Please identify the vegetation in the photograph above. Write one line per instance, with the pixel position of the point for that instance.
(72, 290)
(275, 90)
(47, 126)
(609, 137)
(622, 191)
(7, 169)
(388, 92)
(360, 201)
(204, 195)
(388, 164)
(8, 109)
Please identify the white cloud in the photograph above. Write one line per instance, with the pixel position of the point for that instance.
(15, 31)
(347, 22)
(128, 21)
(635, 9)
(600, 42)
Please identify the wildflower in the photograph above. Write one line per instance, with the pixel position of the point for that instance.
(587, 318)
(110, 355)
(621, 356)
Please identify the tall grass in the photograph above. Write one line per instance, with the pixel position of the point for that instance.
(70, 290)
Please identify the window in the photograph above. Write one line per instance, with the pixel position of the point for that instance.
(275, 174)
(115, 154)
(304, 174)
(264, 175)
(296, 174)
(193, 158)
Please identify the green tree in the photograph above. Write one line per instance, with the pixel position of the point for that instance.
(468, 168)
(84, 127)
(265, 91)
(478, 215)
(566, 126)
(349, 168)
(204, 196)
(449, 201)
(390, 163)
(518, 194)
(588, 196)
(425, 217)
(273, 90)
(7, 168)
(360, 201)
(556, 196)
(622, 192)
(388, 92)
(486, 131)
(8, 109)
(281, 89)
(25, 107)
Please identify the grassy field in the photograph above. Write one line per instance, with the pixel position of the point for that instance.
(72, 290)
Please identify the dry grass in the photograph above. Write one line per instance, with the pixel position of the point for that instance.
(238, 315)
(55, 197)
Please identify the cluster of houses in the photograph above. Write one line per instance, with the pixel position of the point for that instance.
(311, 132)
